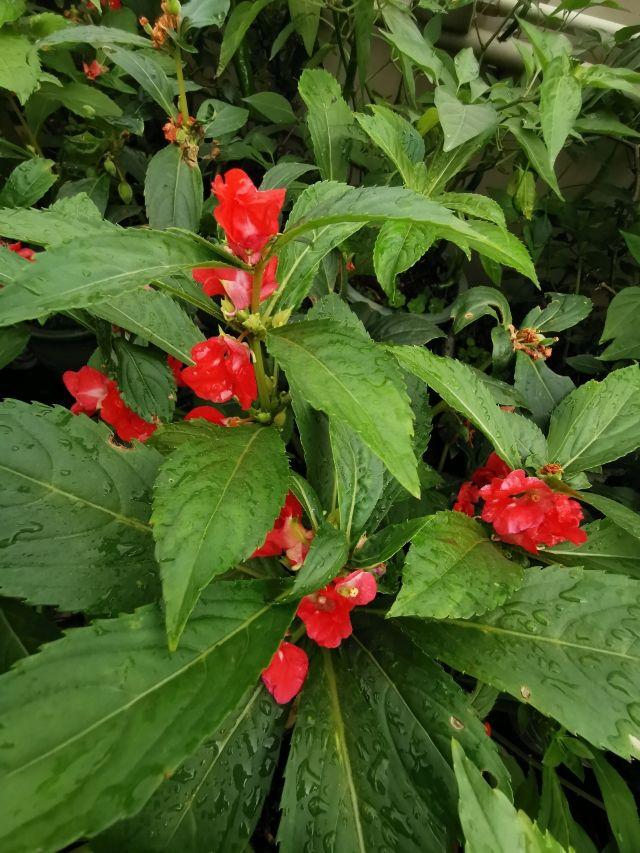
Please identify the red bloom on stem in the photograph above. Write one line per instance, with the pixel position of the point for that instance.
(288, 536)
(286, 673)
(222, 370)
(327, 613)
(93, 70)
(469, 493)
(127, 424)
(89, 387)
(94, 391)
(213, 415)
(248, 216)
(236, 284)
(525, 511)
(467, 498)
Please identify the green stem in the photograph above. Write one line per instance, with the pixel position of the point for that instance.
(28, 132)
(182, 94)
(261, 376)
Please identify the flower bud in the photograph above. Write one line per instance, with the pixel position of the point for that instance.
(110, 167)
(125, 192)
(173, 7)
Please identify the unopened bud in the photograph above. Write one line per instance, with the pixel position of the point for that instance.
(173, 7)
(110, 167)
(125, 192)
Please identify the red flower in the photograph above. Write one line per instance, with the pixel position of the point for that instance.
(288, 535)
(525, 511)
(211, 414)
(113, 5)
(222, 370)
(469, 493)
(176, 368)
(93, 390)
(326, 613)
(89, 387)
(127, 424)
(286, 673)
(27, 254)
(248, 216)
(93, 70)
(236, 284)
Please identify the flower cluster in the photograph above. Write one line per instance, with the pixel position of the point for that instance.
(326, 614)
(249, 218)
(96, 392)
(523, 510)
(531, 342)
(93, 69)
(222, 370)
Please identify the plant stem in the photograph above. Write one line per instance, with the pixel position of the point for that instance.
(28, 132)
(182, 94)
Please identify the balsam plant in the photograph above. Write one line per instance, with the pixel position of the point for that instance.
(268, 594)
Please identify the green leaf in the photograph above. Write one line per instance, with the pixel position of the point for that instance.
(374, 730)
(154, 316)
(215, 500)
(605, 124)
(22, 631)
(453, 570)
(490, 823)
(399, 140)
(173, 191)
(148, 73)
(13, 340)
(83, 100)
(235, 29)
(563, 311)
(330, 122)
(353, 380)
(80, 542)
(93, 35)
(547, 45)
(284, 174)
(201, 807)
(118, 729)
(145, 381)
(339, 203)
(560, 104)
(19, 65)
(84, 274)
(399, 245)
(307, 496)
(624, 80)
(619, 514)
(597, 423)
(27, 183)
(55, 224)
(197, 14)
(479, 302)
(359, 479)
(466, 65)
(621, 326)
(459, 386)
(608, 547)
(540, 387)
(566, 643)
(327, 555)
(444, 166)
(305, 15)
(272, 106)
(405, 36)
(462, 122)
(11, 10)
(619, 802)
(95, 188)
(554, 814)
(474, 204)
(536, 152)
(386, 542)
(226, 118)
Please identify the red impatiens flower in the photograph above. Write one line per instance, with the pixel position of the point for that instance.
(213, 415)
(94, 391)
(236, 284)
(327, 613)
(286, 673)
(222, 370)
(89, 387)
(288, 536)
(27, 254)
(469, 493)
(93, 70)
(127, 424)
(525, 511)
(248, 216)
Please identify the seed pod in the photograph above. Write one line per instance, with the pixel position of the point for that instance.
(125, 192)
